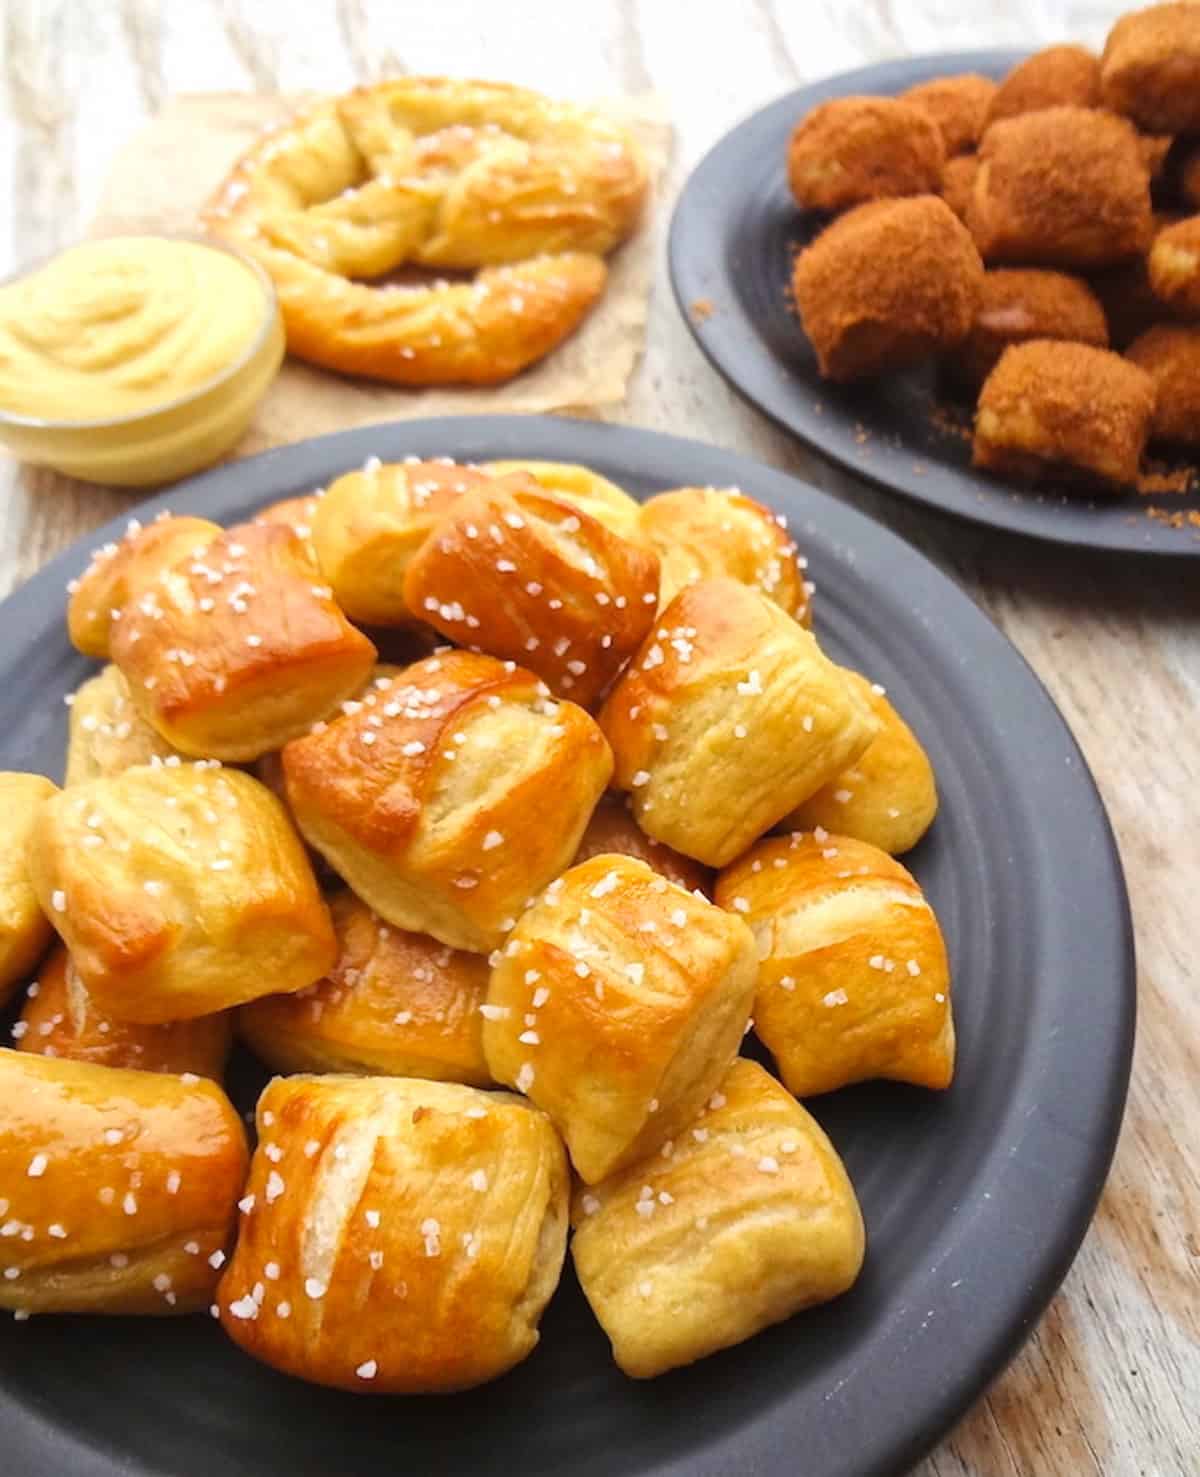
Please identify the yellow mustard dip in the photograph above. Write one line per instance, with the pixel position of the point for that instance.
(118, 327)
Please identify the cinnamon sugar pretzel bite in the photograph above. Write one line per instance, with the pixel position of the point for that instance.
(444, 174)
(523, 576)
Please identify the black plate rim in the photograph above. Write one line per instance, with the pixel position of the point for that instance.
(697, 256)
(916, 1418)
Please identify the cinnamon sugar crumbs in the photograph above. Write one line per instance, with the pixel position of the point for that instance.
(1188, 519)
(1154, 480)
(702, 309)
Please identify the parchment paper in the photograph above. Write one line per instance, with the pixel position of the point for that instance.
(168, 171)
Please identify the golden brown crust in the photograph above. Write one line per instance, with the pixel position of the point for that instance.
(751, 1218)
(1057, 76)
(1066, 411)
(704, 531)
(1019, 304)
(887, 285)
(119, 572)
(1066, 187)
(853, 979)
(399, 1236)
(120, 1187)
(25, 932)
(240, 649)
(106, 733)
(958, 183)
(613, 829)
(583, 489)
(1174, 266)
(395, 1003)
(297, 513)
(528, 578)
(888, 797)
(728, 718)
(60, 1019)
(430, 797)
(958, 105)
(371, 522)
(616, 1006)
(853, 149)
(1150, 69)
(179, 890)
(444, 174)
(1170, 355)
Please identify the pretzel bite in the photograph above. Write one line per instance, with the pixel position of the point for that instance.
(1058, 76)
(751, 1218)
(297, 513)
(59, 1018)
(1062, 187)
(700, 532)
(238, 650)
(1189, 178)
(1018, 305)
(1150, 69)
(853, 149)
(1156, 156)
(119, 572)
(120, 1187)
(613, 829)
(584, 489)
(728, 718)
(24, 930)
(1170, 355)
(180, 890)
(1174, 266)
(371, 522)
(888, 797)
(887, 285)
(398, 1236)
(958, 105)
(523, 576)
(395, 1003)
(1065, 411)
(1130, 303)
(450, 800)
(106, 734)
(853, 980)
(616, 1006)
(958, 183)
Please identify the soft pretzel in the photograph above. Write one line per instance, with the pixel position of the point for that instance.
(750, 1218)
(60, 1018)
(853, 975)
(583, 489)
(24, 930)
(432, 172)
(397, 1236)
(106, 734)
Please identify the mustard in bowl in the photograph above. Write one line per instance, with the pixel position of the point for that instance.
(135, 360)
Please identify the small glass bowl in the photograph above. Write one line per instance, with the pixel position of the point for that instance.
(166, 442)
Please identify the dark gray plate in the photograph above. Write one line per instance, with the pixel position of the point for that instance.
(733, 237)
(975, 1200)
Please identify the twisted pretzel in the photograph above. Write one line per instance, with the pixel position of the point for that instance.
(479, 177)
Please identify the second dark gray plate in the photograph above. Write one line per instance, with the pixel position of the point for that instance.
(733, 237)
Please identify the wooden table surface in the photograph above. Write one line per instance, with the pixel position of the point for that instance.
(1110, 1381)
